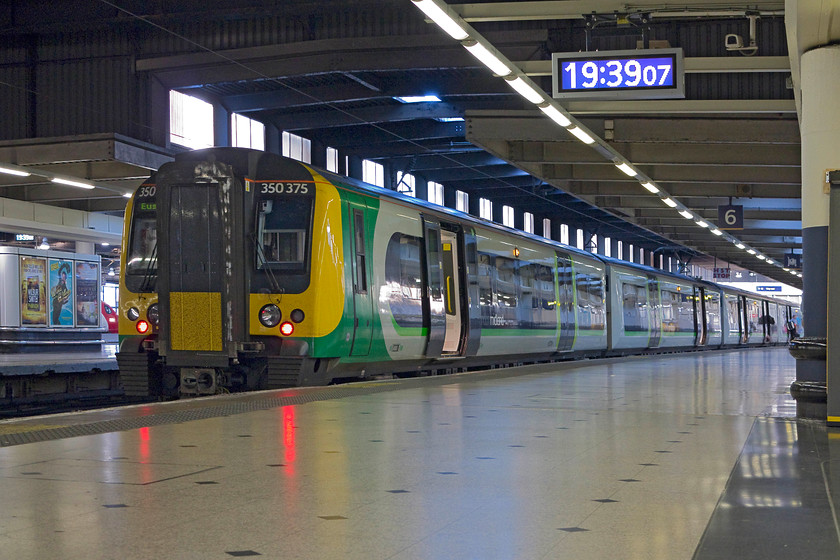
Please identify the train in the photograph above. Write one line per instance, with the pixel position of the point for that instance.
(246, 270)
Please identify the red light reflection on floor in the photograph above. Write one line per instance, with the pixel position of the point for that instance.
(288, 413)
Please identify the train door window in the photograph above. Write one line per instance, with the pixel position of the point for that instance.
(404, 278)
(589, 281)
(545, 283)
(713, 312)
(753, 315)
(733, 316)
(529, 295)
(506, 289)
(634, 307)
(485, 289)
(361, 257)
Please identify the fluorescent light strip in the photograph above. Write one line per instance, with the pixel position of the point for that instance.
(581, 135)
(750, 251)
(626, 169)
(761, 257)
(686, 214)
(669, 202)
(72, 183)
(525, 90)
(701, 223)
(442, 19)
(554, 114)
(651, 187)
(488, 59)
(16, 172)
(740, 245)
(717, 232)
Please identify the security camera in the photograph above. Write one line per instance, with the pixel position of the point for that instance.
(733, 42)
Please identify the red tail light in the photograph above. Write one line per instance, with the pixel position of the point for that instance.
(142, 327)
(287, 328)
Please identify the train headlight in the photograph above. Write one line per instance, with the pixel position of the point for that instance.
(296, 316)
(153, 313)
(270, 315)
(287, 328)
(142, 327)
(133, 313)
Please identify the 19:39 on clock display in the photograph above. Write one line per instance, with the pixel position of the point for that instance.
(635, 74)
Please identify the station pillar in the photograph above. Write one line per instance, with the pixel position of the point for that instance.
(820, 134)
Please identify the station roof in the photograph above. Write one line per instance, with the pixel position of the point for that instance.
(734, 139)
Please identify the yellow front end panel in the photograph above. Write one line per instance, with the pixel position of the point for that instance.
(196, 321)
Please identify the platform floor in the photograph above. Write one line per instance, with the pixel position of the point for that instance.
(671, 457)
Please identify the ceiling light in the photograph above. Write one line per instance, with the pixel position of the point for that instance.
(72, 183)
(581, 135)
(651, 187)
(450, 119)
(717, 232)
(740, 245)
(750, 251)
(418, 99)
(442, 19)
(489, 59)
(686, 214)
(554, 114)
(19, 173)
(127, 195)
(669, 202)
(525, 90)
(761, 257)
(793, 272)
(626, 169)
(701, 223)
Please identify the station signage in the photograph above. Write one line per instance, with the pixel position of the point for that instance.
(721, 273)
(793, 260)
(629, 74)
(768, 288)
(730, 217)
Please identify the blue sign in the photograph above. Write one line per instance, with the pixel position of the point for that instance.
(633, 74)
(793, 260)
(768, 288)
(731, 217)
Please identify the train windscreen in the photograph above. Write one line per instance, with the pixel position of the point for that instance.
(141, 259)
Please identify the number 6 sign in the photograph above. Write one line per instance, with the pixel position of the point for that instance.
(731, 217)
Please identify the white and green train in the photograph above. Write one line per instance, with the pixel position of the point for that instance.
(243, 270)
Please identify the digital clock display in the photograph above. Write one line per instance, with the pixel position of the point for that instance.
(637, 74)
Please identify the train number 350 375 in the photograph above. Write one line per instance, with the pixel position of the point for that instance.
(284, 188)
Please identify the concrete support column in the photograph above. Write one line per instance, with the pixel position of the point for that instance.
(820, 132)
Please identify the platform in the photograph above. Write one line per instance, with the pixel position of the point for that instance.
(665, 457)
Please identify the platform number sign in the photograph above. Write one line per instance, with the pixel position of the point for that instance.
(731, 217)
(793, 260)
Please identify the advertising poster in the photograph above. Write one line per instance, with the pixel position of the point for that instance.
(87, 294)
(33, 291)
(61, 293)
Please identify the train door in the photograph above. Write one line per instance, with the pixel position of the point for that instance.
(701, 328)
(200, 271)
(360, 270)
(655, 315)
(450, 257)
(564, 303)
(434, 305)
